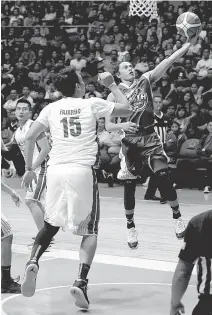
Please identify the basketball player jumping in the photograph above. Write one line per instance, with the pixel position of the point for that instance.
(72, 198)
(141, 144)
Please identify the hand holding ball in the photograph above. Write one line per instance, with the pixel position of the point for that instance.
(189, 25)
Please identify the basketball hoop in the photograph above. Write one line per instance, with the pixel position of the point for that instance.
(143, 7)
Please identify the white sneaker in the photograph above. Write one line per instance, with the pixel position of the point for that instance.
(180, 228)
(207, 190)
(132, 238)
(123, 175)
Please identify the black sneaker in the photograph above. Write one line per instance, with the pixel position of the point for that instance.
(163, 201)
(28, 285)
(79, 292)
(154, 198)
(11, 286)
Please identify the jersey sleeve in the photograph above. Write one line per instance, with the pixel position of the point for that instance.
(43, 118)
(101, 108)
(190, 249)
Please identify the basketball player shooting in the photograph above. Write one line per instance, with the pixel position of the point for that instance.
(141, 144)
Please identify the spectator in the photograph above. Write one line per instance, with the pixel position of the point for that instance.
(110, 46)
(78, 63)
(91, 88)
(204, 64)
(28, 56)
(36, 73)
(170, 115)
(29, 20)
(181, 115)
(26, 95)
(111, 64)
(117, 34)
(11, 103)
(122, 52)
(65, 54)
(15, 16)
(46, 72)
(51, 14)
(7, 67)
(92, 64)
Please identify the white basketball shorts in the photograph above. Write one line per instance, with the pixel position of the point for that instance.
(72, 198)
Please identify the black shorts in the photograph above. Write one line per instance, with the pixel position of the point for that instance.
(140, 149)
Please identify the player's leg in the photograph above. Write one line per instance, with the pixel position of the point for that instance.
(129, 205)
(41, 243)
(8, 285)
(160, 167)
(55, 211)
(37, 212)
(33, 199)
(84, 212)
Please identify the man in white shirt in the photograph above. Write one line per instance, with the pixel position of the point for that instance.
(78, 63)
(11, 103)
(72, 198)
(204, 64)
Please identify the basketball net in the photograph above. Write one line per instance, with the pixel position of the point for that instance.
(143, 7)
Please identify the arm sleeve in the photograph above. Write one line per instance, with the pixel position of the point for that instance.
(43, 118)
(101, 108)
(190, 250)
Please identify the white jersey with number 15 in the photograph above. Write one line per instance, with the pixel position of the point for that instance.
(72, 123)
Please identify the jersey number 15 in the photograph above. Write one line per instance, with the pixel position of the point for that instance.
(71, 126)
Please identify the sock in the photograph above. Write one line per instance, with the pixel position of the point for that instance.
(176, 212)
(83, 271)
(5, 273)
(130, 218)
(42, 241)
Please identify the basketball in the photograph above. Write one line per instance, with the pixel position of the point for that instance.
(188, 24)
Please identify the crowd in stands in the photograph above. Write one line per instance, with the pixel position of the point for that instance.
(40, 38)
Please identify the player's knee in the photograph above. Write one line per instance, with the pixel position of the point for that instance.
(165, 184)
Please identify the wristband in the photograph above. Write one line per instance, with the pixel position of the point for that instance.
(113, 84)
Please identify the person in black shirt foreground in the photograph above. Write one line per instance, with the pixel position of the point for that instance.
(197, 247)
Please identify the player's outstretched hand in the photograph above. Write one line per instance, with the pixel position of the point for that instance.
(16, 198)
(177, 310)
(27, 180)
(106, 79)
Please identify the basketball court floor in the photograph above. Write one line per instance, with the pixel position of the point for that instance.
(121, 280)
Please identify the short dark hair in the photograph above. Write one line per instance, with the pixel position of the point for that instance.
(22, 100)
(66, 82)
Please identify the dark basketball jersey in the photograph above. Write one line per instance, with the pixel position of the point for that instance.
(139, 95)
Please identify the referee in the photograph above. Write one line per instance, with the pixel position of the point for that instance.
(160, 126)
(197, 247)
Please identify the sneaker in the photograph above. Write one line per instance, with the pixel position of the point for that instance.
(154, 198)
(28, 285)
(124, 175)
(179, 228)
(11, 286)
(163, 201)
(132, 238)
(79, 292)
(206, 190)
